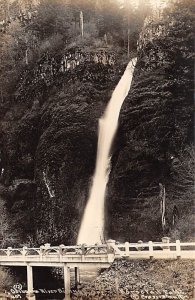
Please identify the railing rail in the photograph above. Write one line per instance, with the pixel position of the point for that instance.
(111, 250)
(68, 257)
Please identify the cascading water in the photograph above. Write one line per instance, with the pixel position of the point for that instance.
(92, 225)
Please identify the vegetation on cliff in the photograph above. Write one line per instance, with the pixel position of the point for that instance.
(6, 279)
(49, 119)
(155, 134)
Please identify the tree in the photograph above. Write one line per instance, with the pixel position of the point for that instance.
(129, 24)
(143, 10)
(182, 190)
(183, 170)
(109, 18)
(6, 280)
(4, 10)
(54, 17)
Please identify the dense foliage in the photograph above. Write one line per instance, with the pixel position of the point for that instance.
(49, 119)
(156, 125)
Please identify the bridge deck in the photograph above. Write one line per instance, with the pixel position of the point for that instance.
(95, 254)
(99, 255)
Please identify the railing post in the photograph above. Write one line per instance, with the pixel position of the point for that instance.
(67, 282)
(9, 251)
(140, 248)
(30, 295)
(47, 246)
(24, 250)
(61, 247)
(178, 249)
(83, 252)
(151, 250)
(127, 248)
(166, 240)
(41, 252)
(110, 244)
(110, 250)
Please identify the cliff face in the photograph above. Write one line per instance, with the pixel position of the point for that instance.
(49, 135)
(155, 124)
(67, 151)
(49, 141)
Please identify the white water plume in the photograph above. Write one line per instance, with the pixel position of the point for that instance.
(92, 225)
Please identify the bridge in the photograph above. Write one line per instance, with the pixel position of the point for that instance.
(101, 256)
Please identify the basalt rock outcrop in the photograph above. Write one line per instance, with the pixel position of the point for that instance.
(48, 138)
(155, 123)
(48, 147)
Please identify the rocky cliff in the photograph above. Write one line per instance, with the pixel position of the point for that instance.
(156, 123)
(48, 139)
(48, 149)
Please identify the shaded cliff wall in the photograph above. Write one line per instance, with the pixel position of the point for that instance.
(48, 140)
(48, 146)
(155, 124)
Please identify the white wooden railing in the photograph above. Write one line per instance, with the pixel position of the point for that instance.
(68, 257)
(104, 253)
(158, 250)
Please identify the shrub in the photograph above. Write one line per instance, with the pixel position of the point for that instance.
(6, 279)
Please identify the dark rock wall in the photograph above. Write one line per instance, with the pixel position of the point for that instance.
(155, 123)
(48, 140)
(52, 142)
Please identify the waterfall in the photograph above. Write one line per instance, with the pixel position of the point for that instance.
(92, 225)
(51, 193)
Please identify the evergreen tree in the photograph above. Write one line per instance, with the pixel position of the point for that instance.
(109, 19)
(54, 17)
